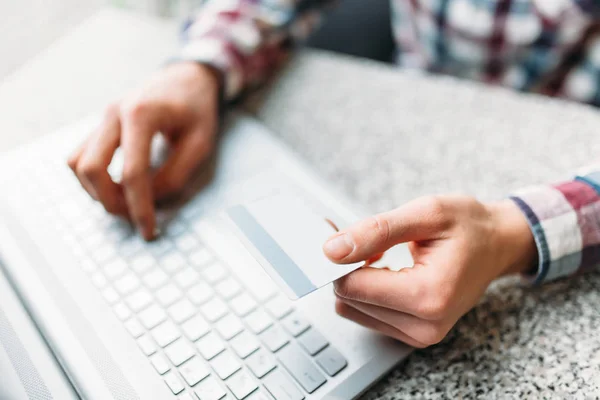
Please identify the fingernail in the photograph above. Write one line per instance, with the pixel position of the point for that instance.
(339, 246)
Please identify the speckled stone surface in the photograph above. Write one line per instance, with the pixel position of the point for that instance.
(386, 136)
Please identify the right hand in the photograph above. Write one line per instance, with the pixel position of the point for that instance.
(181, 102)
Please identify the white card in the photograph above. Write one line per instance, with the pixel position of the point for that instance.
(286, 236)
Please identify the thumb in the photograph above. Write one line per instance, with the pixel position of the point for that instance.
(421, 219)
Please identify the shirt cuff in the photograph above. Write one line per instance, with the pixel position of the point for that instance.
(565, 225)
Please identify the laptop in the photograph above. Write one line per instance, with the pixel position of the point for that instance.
(89, 310)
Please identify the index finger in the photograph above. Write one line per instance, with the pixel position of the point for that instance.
(136, 143)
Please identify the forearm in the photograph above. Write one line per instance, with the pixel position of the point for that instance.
(246, 39)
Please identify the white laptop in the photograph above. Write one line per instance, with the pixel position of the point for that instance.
(88, 310)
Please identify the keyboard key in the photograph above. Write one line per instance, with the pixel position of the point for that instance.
(295, 324)
(186, 243)
(241, 385)
(244, 344)
(200, 258)
(165, 333)
(229, 326)
(312, 341)
(127, 283)
(195, 328)
(228, 288)
(122, 311)
(142, 263)
(225, 364)
(160, 363)
(168, 294)
(258, 321)
(182, 310)
(110, 295)
(155, 278)
(87, 265)
(139, 300)
(200, 293)
(115, 268)
(159, 247)
(172, 263)
(104, 253)
(186, 277)
(279, 307)
(274, 338)
(193, 371)
(331, 360)
(243, 304)
(301, 368)
(99, 280)
(179, 352)
(152, 316)
(134, 327)
(174, 229)
(210, 345)
(262, 289)
(214, 273)
(174, 383)
(281, 387)
(146, 345)
(259, 395)
(261, 363)
(130, 246)
(209, 389)
(214, 310)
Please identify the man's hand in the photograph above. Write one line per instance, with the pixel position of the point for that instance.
(181, 102)
(459, 247)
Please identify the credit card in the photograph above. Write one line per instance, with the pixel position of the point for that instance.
(285, 234)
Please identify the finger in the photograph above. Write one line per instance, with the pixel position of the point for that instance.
(421, 219)
(351, 313)
(136, 141)
(74, 157)
(423, 331)
(73, 161)
(92, 167)
(410, 290)
(186, 155)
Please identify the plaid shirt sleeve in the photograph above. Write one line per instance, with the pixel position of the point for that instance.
(565, 221)
(245, 39)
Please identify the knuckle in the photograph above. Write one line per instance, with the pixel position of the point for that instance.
(72, 163)
(433, 335)
(436, 307)
(437, 209)
(90, 170)
(131, 175)
(136, 110)
(380, 227)
(111, 111)
(435, 204)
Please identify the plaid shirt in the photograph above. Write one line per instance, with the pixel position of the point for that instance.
(546, 46)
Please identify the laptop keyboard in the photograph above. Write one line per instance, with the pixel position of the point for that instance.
(205, 334)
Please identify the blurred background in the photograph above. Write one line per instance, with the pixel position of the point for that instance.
(28, 26)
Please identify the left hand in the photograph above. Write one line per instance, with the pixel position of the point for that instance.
(459, 247)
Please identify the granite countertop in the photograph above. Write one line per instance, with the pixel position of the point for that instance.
(385, 136)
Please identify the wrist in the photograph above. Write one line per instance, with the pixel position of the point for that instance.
(518, 251)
